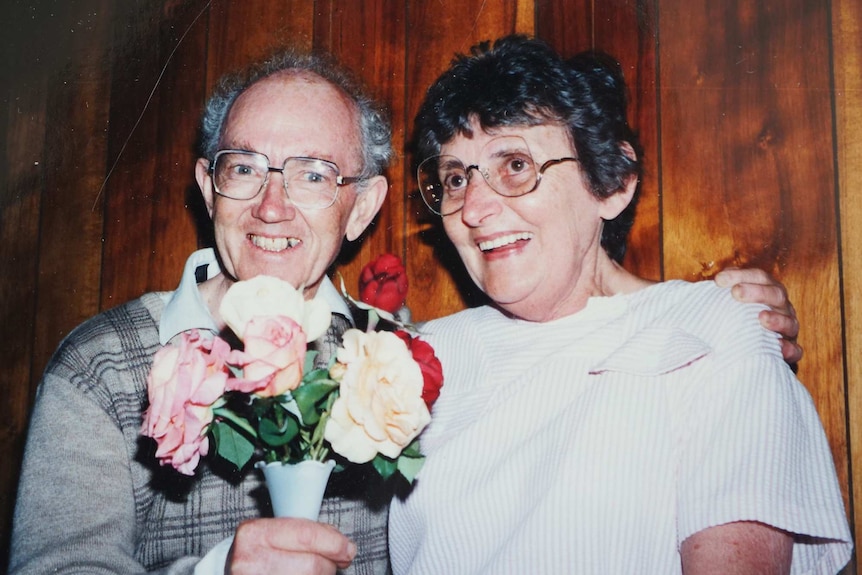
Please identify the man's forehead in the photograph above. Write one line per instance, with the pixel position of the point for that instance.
(296, 113)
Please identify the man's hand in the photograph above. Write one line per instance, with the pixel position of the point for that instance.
(757, 286)
(291, 546)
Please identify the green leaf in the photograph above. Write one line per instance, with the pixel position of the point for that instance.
(412, 450)
(409, 466)
(231, 445)
(310, 356)
(307, 397)
(275, 435)
(384, 466)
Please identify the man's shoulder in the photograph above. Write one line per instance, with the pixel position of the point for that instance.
(113, 336)
(132, 316)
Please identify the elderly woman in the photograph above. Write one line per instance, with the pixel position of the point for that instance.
(592, 422)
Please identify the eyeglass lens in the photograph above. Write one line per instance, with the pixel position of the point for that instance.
(505, 163)
(309, 182)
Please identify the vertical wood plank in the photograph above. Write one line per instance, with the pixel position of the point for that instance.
(243, 31)
(369, 38)
(847, 50)
(70, 249)
(742, 99)
(23, 77)
(149, 193)
(439, 29)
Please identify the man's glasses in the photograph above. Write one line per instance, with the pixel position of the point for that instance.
(310, 183)
(504, 162)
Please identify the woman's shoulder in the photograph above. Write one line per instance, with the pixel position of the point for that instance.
(707, 311)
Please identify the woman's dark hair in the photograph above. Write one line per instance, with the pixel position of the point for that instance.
(522, 81)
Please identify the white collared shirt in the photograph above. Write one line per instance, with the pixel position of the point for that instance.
(185, 309)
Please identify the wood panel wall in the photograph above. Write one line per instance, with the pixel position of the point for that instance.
(749, 113)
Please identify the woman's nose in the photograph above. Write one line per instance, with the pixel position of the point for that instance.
(480, 199)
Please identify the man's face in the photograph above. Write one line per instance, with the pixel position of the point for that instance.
(288, 116)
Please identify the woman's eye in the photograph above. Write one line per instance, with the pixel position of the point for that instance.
(455, 182)
(517, 165)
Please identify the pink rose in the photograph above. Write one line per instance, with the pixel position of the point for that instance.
(273, 357)
(383, 283)
(432, 369)
(184, 382)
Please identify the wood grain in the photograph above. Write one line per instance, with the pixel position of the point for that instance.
(742, 99)
(151, 199)
(847, 48)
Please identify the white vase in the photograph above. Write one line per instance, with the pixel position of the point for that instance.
(296, 489)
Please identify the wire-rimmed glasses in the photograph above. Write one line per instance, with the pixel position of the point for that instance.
(310, 183)
(504, 162)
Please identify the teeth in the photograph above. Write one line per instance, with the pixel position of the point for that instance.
(274, 244)
(504, 240)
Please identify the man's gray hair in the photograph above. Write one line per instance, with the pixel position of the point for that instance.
(374, 127)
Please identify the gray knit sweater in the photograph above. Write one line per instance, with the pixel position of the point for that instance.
(92, 498)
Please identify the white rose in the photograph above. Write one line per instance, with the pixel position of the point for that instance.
(269, 296)
(380, 407)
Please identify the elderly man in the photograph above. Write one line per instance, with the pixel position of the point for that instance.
(96, 501)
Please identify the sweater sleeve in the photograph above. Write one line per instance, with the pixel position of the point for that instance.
(75, 511)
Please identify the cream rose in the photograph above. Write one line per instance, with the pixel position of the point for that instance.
(269, 296)
(380, 407)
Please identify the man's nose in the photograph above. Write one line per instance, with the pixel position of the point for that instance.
(275, 204)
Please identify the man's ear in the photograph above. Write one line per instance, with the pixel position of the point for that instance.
(205, 183)
(368, 203)
(613, 205)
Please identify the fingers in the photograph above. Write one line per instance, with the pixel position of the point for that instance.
(731, 276)
(788, 328)
(757, 286)
(293, 546)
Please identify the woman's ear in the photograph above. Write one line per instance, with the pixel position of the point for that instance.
(205, 183)
(368, 203)
(613, 205)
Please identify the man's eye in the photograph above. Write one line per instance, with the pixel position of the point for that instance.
(313, 177)
(242, 170)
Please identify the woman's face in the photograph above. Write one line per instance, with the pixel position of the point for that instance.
(534, 255)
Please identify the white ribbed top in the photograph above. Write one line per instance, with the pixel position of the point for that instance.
(599, 442)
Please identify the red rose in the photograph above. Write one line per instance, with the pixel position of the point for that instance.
(432, 369)
(383, 283)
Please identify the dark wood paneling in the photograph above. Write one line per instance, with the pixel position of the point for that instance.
(243, 31)
(742, 99)
(150, 193)
(22, 165)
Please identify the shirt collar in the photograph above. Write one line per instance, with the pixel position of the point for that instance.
(185, 308)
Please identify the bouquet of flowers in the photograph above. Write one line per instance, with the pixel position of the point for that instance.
(266, 400)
